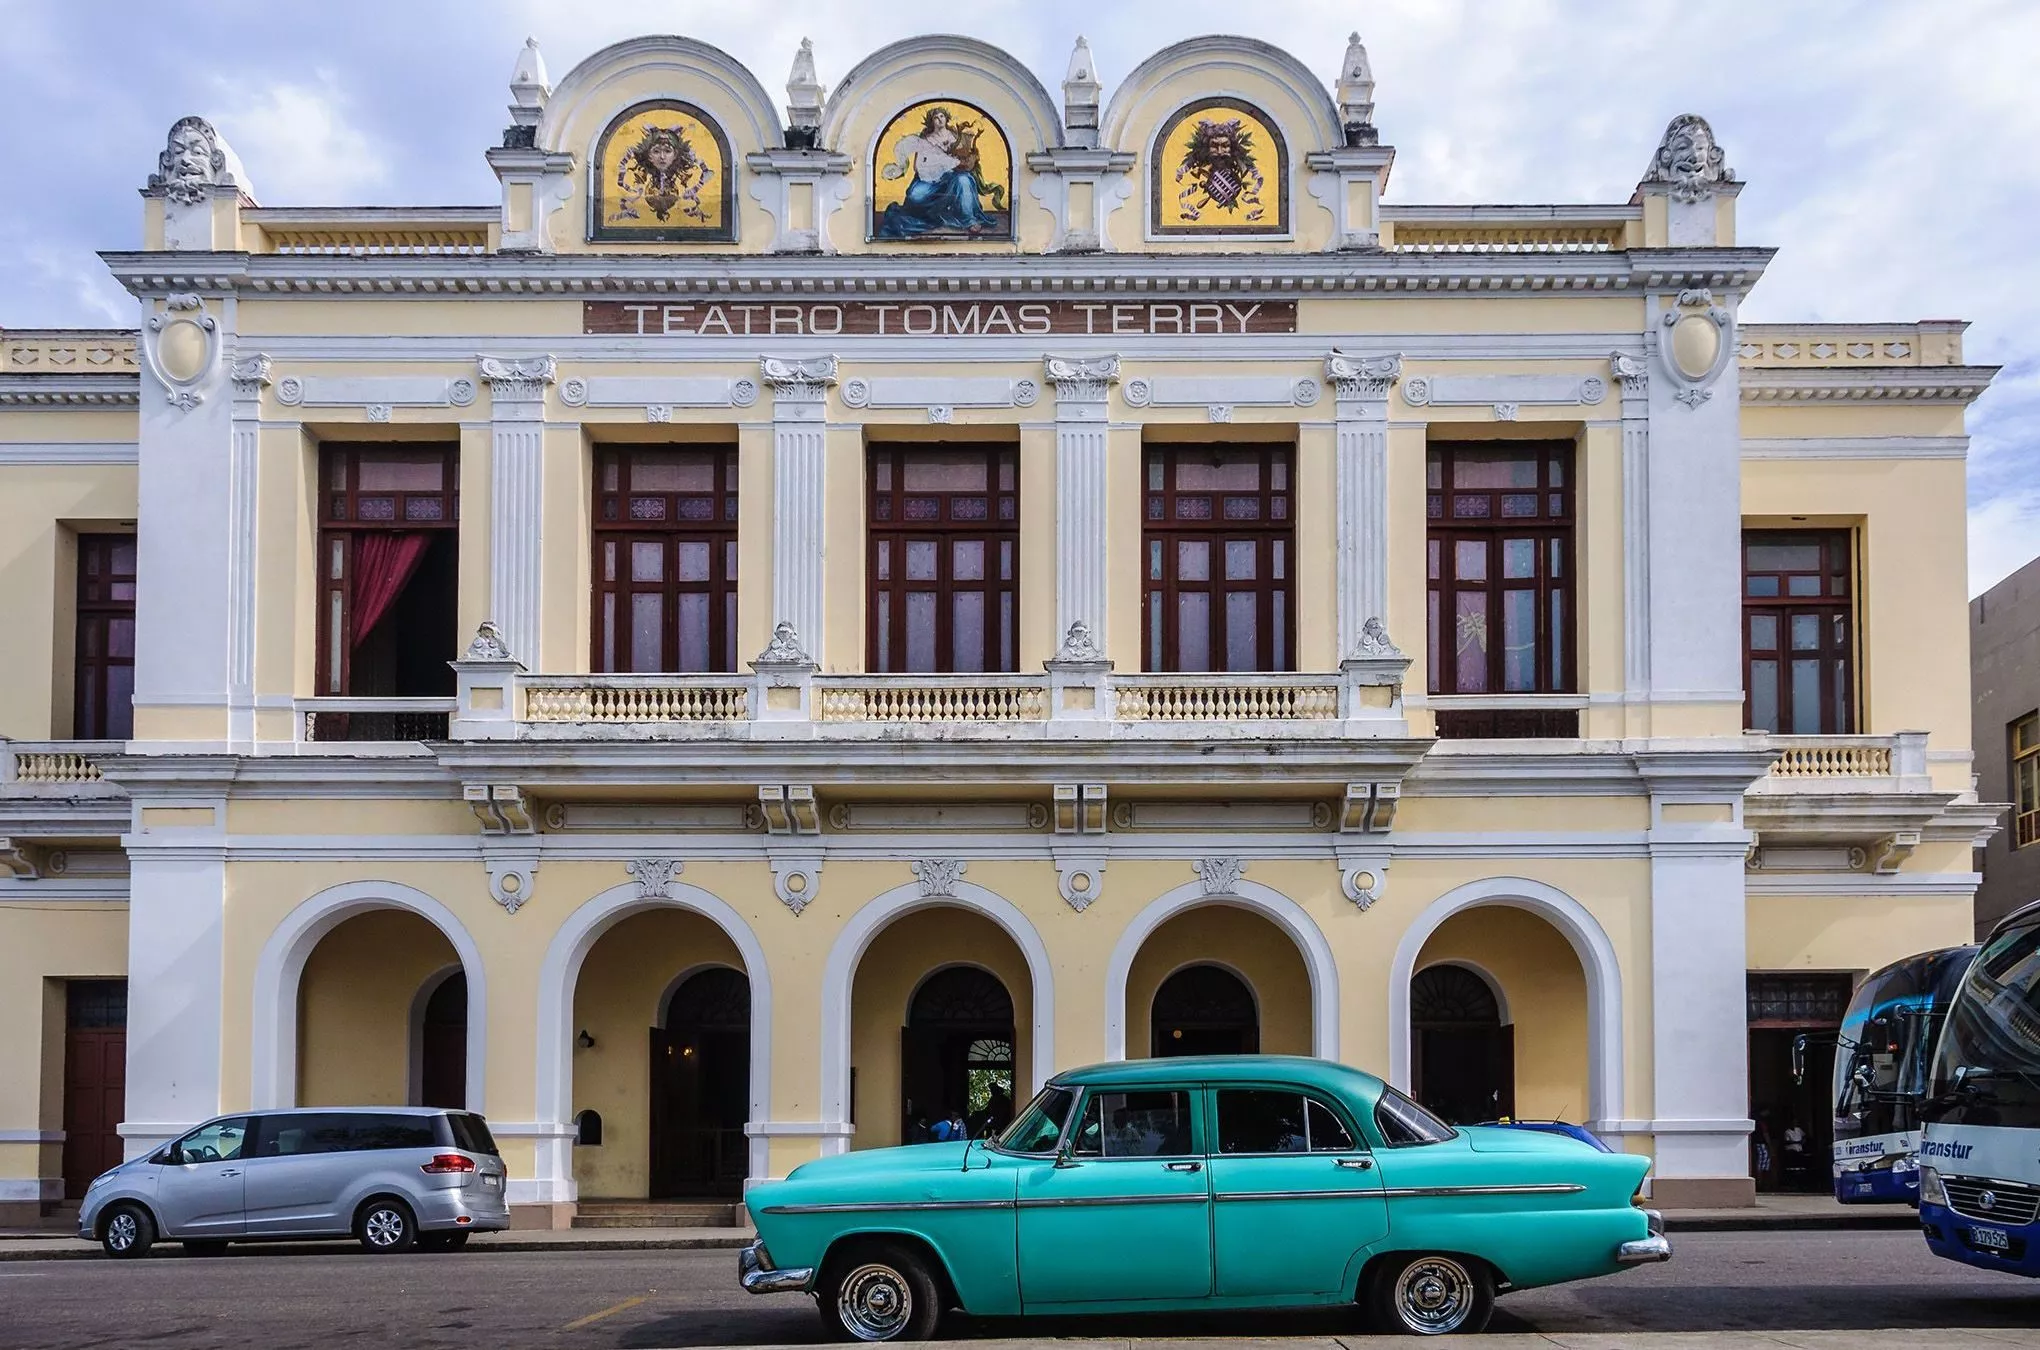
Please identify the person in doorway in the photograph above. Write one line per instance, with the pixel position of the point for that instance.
(958, 1128)
(1763, 1152)
(939, 1131)
(918, 1132)
(1797, 1165)
(999, 1111)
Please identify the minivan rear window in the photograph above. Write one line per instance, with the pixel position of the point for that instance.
(470, 1132)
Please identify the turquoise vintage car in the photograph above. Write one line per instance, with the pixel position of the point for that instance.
(1242, 1181)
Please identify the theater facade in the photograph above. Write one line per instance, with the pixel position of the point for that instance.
(799, 622)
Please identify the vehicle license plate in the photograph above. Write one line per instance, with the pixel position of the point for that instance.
(488, 1180)
(1990, 1238)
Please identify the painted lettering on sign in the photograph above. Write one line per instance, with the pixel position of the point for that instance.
(938, 318)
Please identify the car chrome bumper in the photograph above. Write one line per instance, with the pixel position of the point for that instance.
(756, 1273)
(1643, 1251)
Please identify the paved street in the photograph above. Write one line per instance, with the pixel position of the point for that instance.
(283, 1298)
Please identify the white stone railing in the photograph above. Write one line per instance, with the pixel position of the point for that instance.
(381, 720)
(636, 698)
(1226, 698)
(54, 763)
(931, 698)
(1833, 757)
(1882, 763)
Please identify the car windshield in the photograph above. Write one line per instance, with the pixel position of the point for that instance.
(1040, 1125)
(1401, 1121)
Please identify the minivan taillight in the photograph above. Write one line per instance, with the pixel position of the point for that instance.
(449, 1162)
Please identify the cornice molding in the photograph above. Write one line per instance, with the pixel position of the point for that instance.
(122, 390)
(761, 276)
(1891, 384)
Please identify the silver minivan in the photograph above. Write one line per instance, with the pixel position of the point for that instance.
(393, 1177)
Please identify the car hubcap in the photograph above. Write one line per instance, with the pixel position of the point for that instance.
(120, 1234)
(1434, 1295)
(385, 1227)
(875, 1303)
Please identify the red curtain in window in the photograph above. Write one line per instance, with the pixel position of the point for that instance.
(383, 562)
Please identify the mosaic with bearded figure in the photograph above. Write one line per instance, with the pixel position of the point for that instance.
(662, 174)
(942, 170)
(1220, 168)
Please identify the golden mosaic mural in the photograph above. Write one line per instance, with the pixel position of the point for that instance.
(942, 170)
(662, 172)
(1219, 167)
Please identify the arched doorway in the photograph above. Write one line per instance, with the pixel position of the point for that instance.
(442, 1045)
(956, 1052)
(1205, 1010)
(1464, 1065)
(701, 1086)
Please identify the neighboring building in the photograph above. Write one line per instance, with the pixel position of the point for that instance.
(383, 725)
(2004, 663)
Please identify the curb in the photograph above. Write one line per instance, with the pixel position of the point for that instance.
(80, 1250)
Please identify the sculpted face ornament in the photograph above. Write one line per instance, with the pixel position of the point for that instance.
(191, 161)
(1690, 159)
(1219, 168)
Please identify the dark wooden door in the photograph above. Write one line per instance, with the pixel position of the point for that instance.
(1466, 1074)
(95, 1093)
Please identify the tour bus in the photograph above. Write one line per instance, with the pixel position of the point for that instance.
(1881, 1059)
(1980, 1146)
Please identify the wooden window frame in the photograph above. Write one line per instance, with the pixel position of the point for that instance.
(1834, 597)
(100, 604)
(622, 517)
(888, 532)
(1272, 530)
(341, 518)
(1451, 520)
(2022, 746)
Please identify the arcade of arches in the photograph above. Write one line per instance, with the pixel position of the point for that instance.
(941, 1009)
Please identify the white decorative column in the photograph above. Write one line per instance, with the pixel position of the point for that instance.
(250, 375)
(1360, 386)
(516, 479)
(1634, 377)
(800, 414)
(1083, 388)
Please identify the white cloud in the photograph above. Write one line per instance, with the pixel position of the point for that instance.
(300, 142)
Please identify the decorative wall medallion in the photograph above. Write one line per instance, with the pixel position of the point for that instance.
(938, 876)
(796, 881)
(1416, 390)
(856, 393)
(461, 392)
(662, 171)
(1697, 343)
(654, 876)
(290, 391)
(658, 412)
(1219, 412)
(1593, 389)
(574, 392)
(942, 412)
(942, 170)
(1221, 876)
(1080, 881)
(1506, 412)
(743, 392)
(378, 412)
(1025, 392)
(1363, 882)
(510, 880)
(1306, 393)
(1219, 167)
(1138, 393)
(181, 346)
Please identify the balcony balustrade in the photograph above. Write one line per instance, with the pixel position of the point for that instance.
(54, 764)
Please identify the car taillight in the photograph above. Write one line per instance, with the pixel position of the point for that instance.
(448, 1162)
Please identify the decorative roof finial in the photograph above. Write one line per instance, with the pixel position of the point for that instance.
(530, 86)
(803, 99)
(1356, 91)
(1690, 159)
(1080, 97)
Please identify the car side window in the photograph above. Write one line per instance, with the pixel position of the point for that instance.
(221, 1141)
(1402, 1122)
(1134, 1125)
(1270, 1120)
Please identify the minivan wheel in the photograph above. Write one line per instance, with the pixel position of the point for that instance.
(880, 1292)
(127, 1231)
(1431, 1294)
(386, 1226)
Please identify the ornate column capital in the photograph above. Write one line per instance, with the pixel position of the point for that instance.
(800, 379)
(1081, 379)
(1366, 378)
(250, 374)
(518, 378)
(1631, 372)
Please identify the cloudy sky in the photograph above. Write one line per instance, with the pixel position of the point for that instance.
(1890, 149)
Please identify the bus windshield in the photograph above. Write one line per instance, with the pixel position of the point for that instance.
(1987, 1067)
(1887, 1038)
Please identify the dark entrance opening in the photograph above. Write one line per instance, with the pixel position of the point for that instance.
(442, 1050)
(1205, 1010)
(956, 1054)
(701, 1088)
(1792, 1147)
(1463, 1061)
(95, 1079)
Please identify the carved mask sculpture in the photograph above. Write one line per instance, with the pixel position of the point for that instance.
(191, 161)
(1689, 159)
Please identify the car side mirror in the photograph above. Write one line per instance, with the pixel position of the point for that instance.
(1065, 1157)
(165, 1156)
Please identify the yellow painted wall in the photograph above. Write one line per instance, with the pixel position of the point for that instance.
(1245, 943)
(1546, 994)
(894, 965)
(43, 508)
(1853, 933)
(617, 1001)
(42, 946)
(354, 1008)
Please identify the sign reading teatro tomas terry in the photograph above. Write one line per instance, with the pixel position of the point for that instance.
(937, 318)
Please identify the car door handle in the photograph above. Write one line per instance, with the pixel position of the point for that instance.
(1356, 1164)
(230, 1171)
(1184, 1166)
